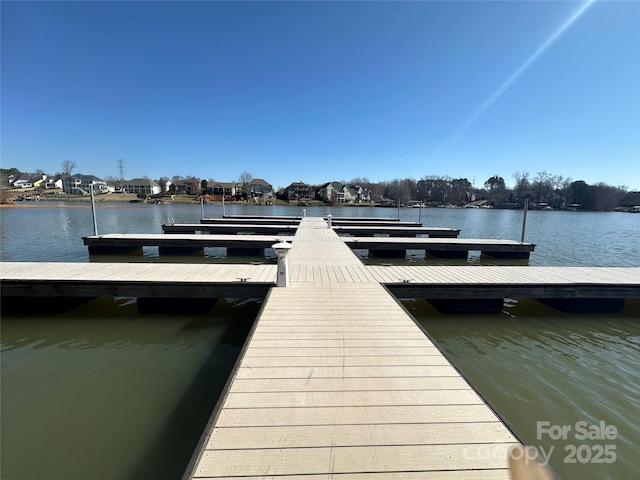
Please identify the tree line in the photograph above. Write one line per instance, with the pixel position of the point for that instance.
(543, 189)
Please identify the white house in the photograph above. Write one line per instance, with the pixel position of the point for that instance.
(353, 194)
(228, 189)
(141, 185)
(82, 184)
(23, 182)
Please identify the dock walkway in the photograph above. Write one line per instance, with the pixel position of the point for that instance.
(338, 381)
(159, 280)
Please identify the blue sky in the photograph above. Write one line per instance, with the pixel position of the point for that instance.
(322, 91)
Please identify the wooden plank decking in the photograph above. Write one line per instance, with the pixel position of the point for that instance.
(49, 279)
(234, 220)
(194, 280)
(337, 381)
(231, 229)
(393, 231)
(274, 229)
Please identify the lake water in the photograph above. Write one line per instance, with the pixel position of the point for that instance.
(102, 392)
(52, 231)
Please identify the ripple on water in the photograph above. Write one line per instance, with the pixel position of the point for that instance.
(536, 364)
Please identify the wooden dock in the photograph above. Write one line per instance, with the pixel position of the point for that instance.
(392, 247)
(337, 380)
(370, 222)
(441, 247)
(178, 244)
(231, 229)
(149, 280)
(261, 217)
(251, 220)
(392, 231)
(289, 229)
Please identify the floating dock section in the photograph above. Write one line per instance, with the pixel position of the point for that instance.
(338, 381)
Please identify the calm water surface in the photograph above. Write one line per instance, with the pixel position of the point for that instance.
(535, 364)
(563, 238)
(102, 392)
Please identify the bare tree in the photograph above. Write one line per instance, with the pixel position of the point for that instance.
(607, 196)
(68, 166)
(399, 189)
(543, 186)
(375, 190)
(245, 180)
(522, 184)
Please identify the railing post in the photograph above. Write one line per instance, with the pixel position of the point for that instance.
(93, 211)
(524, 218)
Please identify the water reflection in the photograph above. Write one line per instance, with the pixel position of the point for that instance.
(536, 364)
(55, 229)
(102, 389)
(115, 323)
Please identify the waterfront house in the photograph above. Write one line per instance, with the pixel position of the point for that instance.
(53, 182)
(187, 186)
(228, 189)
(353, 194)
(82, 184)
(24, 181)
(329, 191)
(39, 181)
(297, 191)
(141, 185)
(259, 188)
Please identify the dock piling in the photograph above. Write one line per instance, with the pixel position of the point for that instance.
(524, 218)
(93, 212)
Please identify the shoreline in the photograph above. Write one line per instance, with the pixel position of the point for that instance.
(85, 202)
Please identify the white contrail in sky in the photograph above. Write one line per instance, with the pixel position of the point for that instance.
(503, 88)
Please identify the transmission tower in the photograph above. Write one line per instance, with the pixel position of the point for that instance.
(121, 169)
